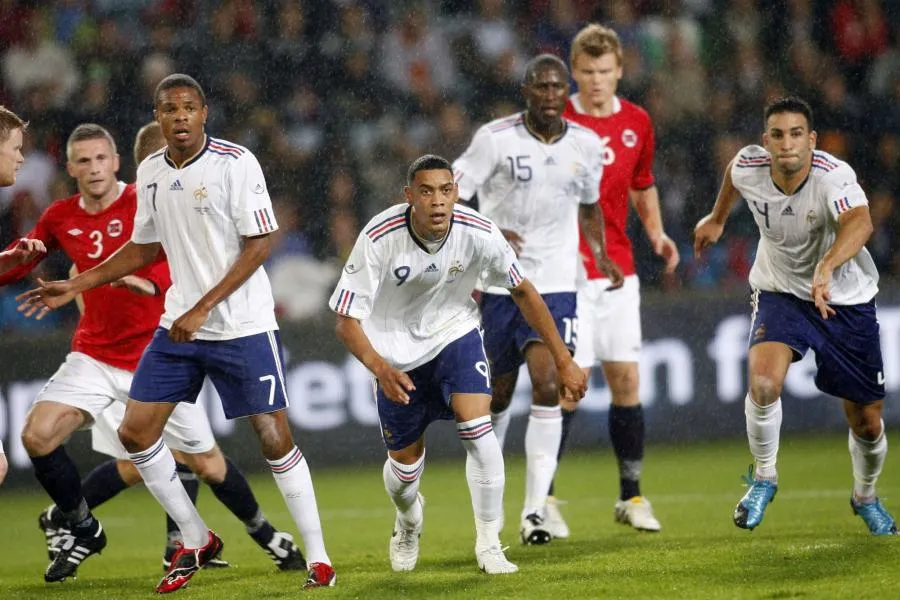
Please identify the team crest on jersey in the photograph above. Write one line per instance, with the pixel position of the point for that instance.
(200, 193)
(811, 217)
(114, 228)
(456, 269)
(629, 138)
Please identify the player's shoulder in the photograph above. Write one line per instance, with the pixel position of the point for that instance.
(471, 220)
(634, 111)
(751, 158)
(153, 163)
(583, 134)
(225, 149)
(503, 124)
(63, 207)
(828, 167)
(388, 221)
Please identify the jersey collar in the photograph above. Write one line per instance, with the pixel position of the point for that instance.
(554, 142)
(189, 161)
(579, 107)
(416, 239)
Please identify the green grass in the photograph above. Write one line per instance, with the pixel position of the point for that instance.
(809, 546)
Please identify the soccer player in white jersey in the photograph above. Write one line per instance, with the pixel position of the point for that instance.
(405, 310)
(813, 285)
(205, 202)
(537, 176)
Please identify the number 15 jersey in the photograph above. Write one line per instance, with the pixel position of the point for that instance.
(413, 302)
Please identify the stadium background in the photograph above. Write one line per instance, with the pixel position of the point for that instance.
(335, 98)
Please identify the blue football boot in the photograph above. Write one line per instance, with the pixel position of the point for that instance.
(877, 518)
(750, 510)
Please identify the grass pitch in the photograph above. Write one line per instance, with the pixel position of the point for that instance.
(809, 545)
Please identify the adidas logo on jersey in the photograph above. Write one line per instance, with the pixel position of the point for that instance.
(787, 212)
(176, 186)
(432, 268)
(75, 232)
(549, 161)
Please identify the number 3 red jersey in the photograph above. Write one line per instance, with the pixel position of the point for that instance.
(627, 164)
(117, 324)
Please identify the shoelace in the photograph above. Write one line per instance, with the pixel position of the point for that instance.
(875, 514)
(407, 539)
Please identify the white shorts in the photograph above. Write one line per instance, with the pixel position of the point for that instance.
(609, 323)
(101, 391)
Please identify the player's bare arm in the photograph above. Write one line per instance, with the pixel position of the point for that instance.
(709, 229)
(572, 380)
(53, 294)
(590, 219)
(254, 253)
(854, 230)
(25, 250)
(646, 203)
(394, 382)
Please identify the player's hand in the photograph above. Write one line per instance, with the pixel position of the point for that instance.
(136, 285)
(572, 381)
(50, 295)
(666, 248)
(613, 272)
(395, 384)
(821, 289)
(4, 467)
(706, 233)
(515, 240)
(25, 251)
(186, 326)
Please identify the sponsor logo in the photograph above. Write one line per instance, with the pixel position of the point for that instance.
(259, 189)
(432, 268)
(176, 186)
(350, 269)
(787, 212)
(75, 232)
(549, 161)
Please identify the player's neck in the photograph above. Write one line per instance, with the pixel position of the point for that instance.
(93, 205)
(599, 110)
(547, 133)
(180, 157)
(430, 237)
(789, 183)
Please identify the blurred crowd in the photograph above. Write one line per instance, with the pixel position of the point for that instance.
(335, 97)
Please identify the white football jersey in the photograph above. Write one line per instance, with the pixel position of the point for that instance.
(412, 302)
(797, 230)
(534, 189)
(200, 213)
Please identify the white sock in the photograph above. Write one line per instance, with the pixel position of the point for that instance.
(157, 467)
(763, 434)
(292, 476)
(486, 477)
(402, 485)
(867, 459)
(500, 423)
(542, 438)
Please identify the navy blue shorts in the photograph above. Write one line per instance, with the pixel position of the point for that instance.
(847, 345)
(460, 368)
(506, 333)
(248, 372)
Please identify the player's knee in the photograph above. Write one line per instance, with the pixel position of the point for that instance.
(128, 472)
(133, 438)
(764, 390)
(208, 466)
(546, 393)
(37, 440)
(624, 390)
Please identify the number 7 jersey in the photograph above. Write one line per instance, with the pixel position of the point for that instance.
(413, 302)
(796, 230)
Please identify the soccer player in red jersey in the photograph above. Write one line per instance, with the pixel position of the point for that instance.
(118, 323)
(609, 321)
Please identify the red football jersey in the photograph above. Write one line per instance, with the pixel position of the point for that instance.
(117, 324)
(628, 164)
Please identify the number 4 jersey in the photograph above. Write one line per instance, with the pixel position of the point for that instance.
(412, 302)
(117, 324)
(796, 230)
(534, 188)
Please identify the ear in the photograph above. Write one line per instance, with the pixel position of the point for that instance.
(765, 140)
(205, 113)
(813, 137)
(116, 163)
(407, 193)
(70, 169)
(155, 115)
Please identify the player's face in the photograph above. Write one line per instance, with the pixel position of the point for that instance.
(432, 194)
(789, 141)
(11, 158)
(93, 164)
(181, 114)
(597, 78)
(545, 95)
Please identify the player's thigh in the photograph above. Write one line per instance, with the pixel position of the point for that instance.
(767, 366)
(105, 432)
(623, 379)
(780, 333)
(461, 372)
(168, 372)
(248, 373)
(616, 326)
(467, 407)
(402, 425)
(500, 319)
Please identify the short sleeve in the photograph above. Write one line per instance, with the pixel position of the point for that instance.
(144, 231)
(251, 206)
(501, 267)
(643, 171)
(355, 293)
(474, 167)
(842, 191)
(590, 179)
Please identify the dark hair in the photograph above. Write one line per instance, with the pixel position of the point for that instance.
(10, 121)
(428, 162)
(789, 104)
(542, 62)
(177, 80)
(89, 131)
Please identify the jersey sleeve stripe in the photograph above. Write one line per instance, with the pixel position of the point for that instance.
(222, 144)
(823, 164)
(474, 225)
(344, 302)
(824, 159)
(221, 153)
(464, 215)
(515, 276)
(398, 227)
(390, 221)
(263, 222)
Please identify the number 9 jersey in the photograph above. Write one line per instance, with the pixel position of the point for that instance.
(412, 302)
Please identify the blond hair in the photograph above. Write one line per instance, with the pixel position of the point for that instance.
(595, 41)
(147, 141)
(9, 121)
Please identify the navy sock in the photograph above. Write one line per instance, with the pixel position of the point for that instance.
(101, 484)
(567, 416)
(626, 431)
(191, 486)
(58, 475)
(235, 493)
